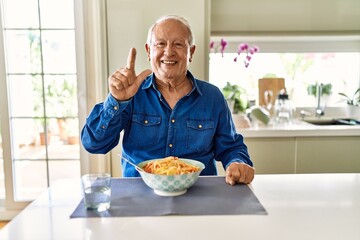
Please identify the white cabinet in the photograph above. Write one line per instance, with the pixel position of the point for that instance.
(272, 155)
(339, 154)
(328, 155)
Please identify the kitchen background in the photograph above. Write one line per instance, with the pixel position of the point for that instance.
(303, 41)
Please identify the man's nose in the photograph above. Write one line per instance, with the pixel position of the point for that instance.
(169, 49)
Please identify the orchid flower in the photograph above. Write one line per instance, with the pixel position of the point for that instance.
(223, 44)
(242, 48)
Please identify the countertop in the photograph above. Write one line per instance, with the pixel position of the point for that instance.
(298, 128)
(299, 206)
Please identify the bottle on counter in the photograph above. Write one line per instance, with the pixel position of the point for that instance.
(283, 108)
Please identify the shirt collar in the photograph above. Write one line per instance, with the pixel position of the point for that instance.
(150, 80)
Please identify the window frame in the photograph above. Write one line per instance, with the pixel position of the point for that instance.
(293, 43)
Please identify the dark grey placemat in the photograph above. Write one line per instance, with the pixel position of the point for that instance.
(208, 196)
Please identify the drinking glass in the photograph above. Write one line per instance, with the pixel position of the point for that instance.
(97, 191)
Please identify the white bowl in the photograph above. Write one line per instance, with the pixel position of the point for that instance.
(171, 185)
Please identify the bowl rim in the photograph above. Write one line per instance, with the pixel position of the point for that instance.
(187, 160)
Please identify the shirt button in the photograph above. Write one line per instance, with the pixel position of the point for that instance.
(146, 121)
(172, 120)
(200, 126)
(115, 108)
(170, 145)
(103, 127)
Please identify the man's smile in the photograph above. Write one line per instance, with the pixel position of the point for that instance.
(167, 62)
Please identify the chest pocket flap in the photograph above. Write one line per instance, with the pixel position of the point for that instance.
(146, 120)
(200, 124)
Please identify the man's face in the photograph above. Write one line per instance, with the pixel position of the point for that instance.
(169, 50)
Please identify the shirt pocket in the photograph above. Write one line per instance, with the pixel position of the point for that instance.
(145, 130)
(200, 135)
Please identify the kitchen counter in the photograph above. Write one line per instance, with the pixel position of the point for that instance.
(299, 206)
(299, 129)
(290, 148)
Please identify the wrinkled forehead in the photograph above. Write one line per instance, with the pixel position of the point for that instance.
(170, 29)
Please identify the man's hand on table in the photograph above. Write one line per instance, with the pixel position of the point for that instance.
(239, 173)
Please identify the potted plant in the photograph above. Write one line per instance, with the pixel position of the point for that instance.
(352, 101)
(41, 121)
(63, 96)
(44, 131)
(238, 103)
(60, 96)
(72, 131)
(236, 97)
(326, 89)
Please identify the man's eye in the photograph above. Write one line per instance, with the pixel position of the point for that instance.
(179, 45)
(160, 44)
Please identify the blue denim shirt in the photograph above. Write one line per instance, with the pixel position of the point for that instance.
(199, 127)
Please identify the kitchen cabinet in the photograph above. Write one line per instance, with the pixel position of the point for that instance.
(272, 155)
(328, 155)
(286, 155)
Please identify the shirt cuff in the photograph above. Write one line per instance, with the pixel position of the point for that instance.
(238, 160)
(112, 106)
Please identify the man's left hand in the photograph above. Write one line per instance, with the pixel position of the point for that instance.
(239, 173)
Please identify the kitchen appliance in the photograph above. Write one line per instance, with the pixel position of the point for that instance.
(283, 108)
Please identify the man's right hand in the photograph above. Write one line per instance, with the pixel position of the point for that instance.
(124, 83)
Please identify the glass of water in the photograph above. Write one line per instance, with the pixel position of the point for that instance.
(97, 191)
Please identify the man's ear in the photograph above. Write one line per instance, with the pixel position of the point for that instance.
(147, 48)
(192, 50)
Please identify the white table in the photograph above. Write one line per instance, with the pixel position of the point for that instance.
(317, 206)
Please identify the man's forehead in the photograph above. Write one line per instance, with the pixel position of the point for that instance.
(172, 25)
(175, 30)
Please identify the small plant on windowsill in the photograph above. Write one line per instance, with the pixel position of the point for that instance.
(234, 94)
(326, 89)
(352, 101)
(236, 97)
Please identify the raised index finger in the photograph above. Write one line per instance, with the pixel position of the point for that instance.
(131, 59)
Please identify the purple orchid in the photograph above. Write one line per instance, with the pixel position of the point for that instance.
(242, 48)
(223, 44)
(212, 43)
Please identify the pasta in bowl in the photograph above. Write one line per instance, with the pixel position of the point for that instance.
(170, 176)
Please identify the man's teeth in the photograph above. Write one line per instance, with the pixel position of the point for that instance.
(168, 62)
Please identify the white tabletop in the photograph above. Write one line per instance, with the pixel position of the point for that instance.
(312, 206)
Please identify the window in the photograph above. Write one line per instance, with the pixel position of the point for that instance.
(41, 82)
(303, 63)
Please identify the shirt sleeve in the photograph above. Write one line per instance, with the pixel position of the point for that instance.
(229, 145)
(102, 128)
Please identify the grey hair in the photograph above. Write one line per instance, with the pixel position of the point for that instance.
(174, 17)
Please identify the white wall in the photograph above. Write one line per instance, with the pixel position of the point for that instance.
(128, 22)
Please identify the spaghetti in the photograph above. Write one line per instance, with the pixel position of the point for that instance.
(170, 166)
